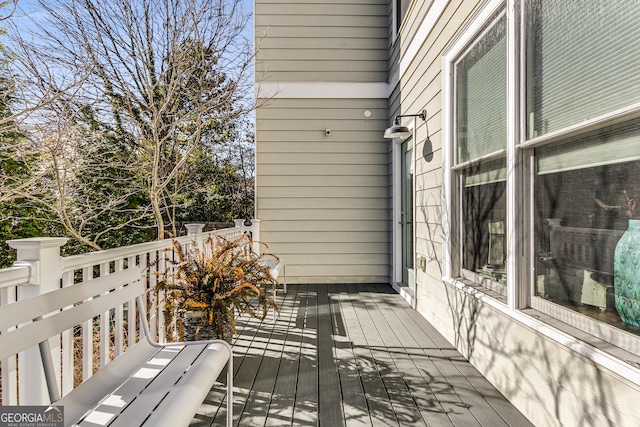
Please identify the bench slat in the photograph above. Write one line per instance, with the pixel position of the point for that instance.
(192, 389)
(146, 402)
(29, 335)
(183, 376)
(119, 398)
(85, 397)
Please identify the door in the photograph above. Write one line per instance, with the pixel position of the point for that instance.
(406, 191)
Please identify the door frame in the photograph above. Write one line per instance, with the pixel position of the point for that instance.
(408, 292)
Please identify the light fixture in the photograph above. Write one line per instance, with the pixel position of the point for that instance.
(397, 131)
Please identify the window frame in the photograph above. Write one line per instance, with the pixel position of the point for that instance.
(527, 145)
(460, 167)
(521, 301)
(480, 24)
(398, 15)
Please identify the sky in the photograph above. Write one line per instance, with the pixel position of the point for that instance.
(28, 10)
(31, 7)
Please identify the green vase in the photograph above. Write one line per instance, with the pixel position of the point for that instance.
(626, 270)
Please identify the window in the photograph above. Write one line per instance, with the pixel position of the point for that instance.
(582, 61)
(585, 189)
(583, 66)
(481, 137)
(401, 7)
(544, 142)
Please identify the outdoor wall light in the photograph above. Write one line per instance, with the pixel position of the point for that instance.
(397, 131)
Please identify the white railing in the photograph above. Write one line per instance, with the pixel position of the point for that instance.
(82, 351)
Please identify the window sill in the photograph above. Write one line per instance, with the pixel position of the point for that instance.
(479, 291)
(600, 352)
(588, 339)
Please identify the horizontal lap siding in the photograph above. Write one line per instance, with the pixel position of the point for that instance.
(324, 200)
(420, 87)
(322, 41)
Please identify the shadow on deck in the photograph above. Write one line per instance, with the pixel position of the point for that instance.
(355, 356)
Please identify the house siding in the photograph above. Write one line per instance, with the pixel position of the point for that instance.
(550, 382)
(322, 41)
(323, 200)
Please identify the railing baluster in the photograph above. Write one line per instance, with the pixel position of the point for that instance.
(153, 281)
(87, 334)
(67, 346)
(131, 311)
(118, 321)
(104, 325)
(8, 295)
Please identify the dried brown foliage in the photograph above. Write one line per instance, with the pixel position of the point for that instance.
(220, 279)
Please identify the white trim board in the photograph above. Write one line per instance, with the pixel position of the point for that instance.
(427, 25)
(320, 90)
(362, 90)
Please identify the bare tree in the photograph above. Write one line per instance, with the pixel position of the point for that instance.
(164, 77)
(7, 7)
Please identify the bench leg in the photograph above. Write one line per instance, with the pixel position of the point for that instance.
(275, 288)
(230, 391)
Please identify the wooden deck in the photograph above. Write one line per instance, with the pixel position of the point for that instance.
(355, 356)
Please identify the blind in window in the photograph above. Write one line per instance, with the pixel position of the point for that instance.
(481, 85)
(613, 145)
(584, 60)
(486, 173)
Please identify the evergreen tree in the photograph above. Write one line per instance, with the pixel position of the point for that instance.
(144, 98)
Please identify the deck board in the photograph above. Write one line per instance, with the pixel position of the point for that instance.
(363, 333)
(286, 378)
(354, 404)
(305, 410)
(352, 355)
(329, 390)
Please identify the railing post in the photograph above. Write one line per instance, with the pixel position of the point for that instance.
(253, 228)
(194, 229)
(43, 255)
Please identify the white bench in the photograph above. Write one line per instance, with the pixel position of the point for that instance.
(149, 384)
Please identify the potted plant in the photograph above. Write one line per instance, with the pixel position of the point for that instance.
(204, 288)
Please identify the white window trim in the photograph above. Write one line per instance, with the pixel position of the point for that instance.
(465, 37)
(519, 290)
